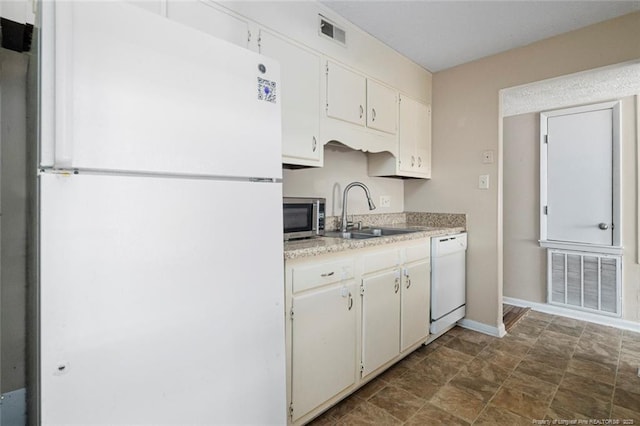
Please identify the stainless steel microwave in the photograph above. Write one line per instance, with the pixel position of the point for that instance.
(303, 217)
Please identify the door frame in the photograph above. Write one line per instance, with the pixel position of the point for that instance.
(616, 247)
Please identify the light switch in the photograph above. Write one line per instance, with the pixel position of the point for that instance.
(483, 182)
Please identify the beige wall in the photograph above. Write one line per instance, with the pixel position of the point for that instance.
(524, 260)
(341, 167)
(466, 122)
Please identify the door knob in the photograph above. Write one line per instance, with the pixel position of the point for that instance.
(603, 226)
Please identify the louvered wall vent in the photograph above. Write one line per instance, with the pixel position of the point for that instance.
(585, 281)
(329, 29)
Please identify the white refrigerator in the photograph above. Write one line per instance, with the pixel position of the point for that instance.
(160, 266)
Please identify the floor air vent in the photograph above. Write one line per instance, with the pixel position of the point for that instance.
(585, 281)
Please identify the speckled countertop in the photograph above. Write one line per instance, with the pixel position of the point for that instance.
(427, 225)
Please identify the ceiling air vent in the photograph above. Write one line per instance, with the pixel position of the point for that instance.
(329, 29)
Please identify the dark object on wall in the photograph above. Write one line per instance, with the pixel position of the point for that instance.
(16, 36)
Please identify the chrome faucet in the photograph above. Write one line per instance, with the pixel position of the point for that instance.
(344, 225)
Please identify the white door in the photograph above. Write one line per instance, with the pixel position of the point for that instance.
(323, 343)
(579, 176)
(135, 91)
(380, 319)
(157, 305)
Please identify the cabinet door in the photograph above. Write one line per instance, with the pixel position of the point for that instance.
(300, 94)
(210, 19)
(382, 107)
(408, 134)
(380, 319)
(323, 342)
(415, 303)
(346, 94)
(414, 137)
(423, 141)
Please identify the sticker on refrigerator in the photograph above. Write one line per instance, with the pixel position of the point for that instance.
(266, 90)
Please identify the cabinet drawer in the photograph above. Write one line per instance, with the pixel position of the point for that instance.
(380, 261)
(313, 275)
(417, 252)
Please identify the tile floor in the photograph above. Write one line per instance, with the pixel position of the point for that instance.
(547, 367)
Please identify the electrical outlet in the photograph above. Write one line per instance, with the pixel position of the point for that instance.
(385, 201)
(483, 182)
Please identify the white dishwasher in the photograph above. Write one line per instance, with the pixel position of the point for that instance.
(448, 281)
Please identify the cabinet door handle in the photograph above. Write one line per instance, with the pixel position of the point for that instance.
(408, 280)
(396, 287)
(314, 144)
(419, 161)
(361, 111)
(373, 114)
(413, 161)
(327, 274)
(350, 301)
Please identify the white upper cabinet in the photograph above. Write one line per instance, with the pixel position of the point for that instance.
(382, 107)
(346, 94)
(300, 94)
(212, 20)
(360, 112)
(414, 144)
(415, 137)
(356, 99)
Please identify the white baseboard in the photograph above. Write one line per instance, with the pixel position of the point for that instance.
(483, 328)
(570, 313)
(13, 408)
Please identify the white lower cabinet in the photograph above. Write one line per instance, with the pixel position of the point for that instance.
(380, 320)
(416, 285)
(351, 315)
(395, 303)
(322, 331)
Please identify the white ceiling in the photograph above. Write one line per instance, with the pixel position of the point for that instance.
(442, 34)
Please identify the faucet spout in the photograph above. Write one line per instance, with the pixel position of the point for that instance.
(372, 206)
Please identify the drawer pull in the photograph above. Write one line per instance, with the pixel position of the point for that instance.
(350, 301)
(327, 274)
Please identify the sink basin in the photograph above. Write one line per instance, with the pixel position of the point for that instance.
(363, 234)
(381, 232)
(349, 235)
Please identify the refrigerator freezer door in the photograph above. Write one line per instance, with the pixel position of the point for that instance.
(161, 301)
(134, 91)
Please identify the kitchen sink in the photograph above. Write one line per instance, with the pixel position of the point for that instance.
(381, 232)
(349, 235)
(365, 233)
